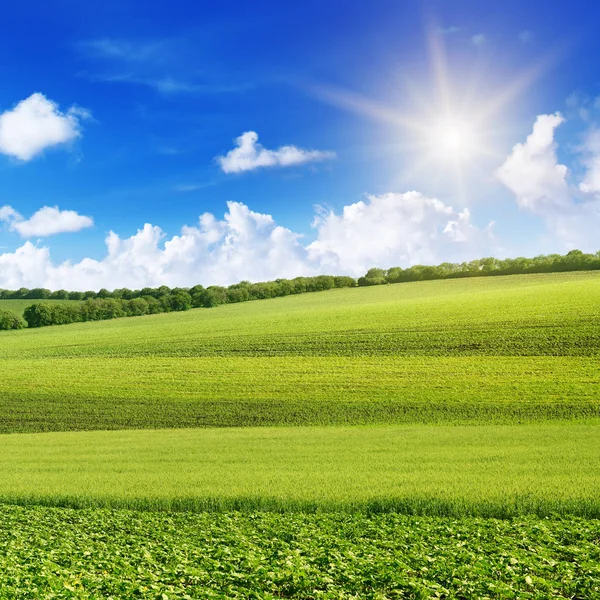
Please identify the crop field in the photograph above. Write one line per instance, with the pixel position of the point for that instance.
(420, 440)
(524, 315)
(62, 553)
(505, 349)
(116, 393)
(498, 471)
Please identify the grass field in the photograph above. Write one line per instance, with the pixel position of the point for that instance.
(505, 349)
(523, 315)
(91, 393)
(497, 471)
(319, 418)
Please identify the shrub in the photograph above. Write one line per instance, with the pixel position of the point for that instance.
(137, 307)
(39, 314)
(178, 300)
(10, 320)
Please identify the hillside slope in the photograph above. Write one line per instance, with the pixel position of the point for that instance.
(492, 349)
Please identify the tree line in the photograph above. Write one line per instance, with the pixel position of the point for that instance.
(124, 302)
(42, 314)
(575, 260)
(102, 305)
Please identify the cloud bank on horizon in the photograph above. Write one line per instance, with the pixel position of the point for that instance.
(392, 229)
(409, 227)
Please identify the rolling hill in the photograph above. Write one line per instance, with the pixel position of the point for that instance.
(503, 349)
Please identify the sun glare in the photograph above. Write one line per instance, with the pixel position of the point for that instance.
(457, 117)
(453, 139)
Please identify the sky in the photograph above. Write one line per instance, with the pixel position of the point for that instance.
(184, 143)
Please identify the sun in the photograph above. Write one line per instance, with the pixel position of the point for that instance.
(448, 126)
(452, 138)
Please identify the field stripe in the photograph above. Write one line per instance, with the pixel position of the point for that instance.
(485, 470)
(105, 393)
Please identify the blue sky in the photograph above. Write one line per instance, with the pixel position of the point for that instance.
(405, 113)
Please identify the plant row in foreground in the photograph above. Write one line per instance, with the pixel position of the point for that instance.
(61, 553)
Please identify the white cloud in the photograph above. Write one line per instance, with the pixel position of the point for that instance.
(395, 229)
(161, 64)
(478, 39)
(388, 230)
(8, 214)
(35, 124)
(532, 171)
(539, 182)
(48, 220)
(123, 49)
(249, 154)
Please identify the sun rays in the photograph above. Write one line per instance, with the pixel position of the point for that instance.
(450, 120)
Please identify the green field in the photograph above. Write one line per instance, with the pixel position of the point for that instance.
(322, 419)
(504, 349)
(497, 471)
(523, 315)
(60, 553)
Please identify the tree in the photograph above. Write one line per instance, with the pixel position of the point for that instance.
(299, 285)
(39, 294)
(343, 281)
(63, 314)
(39, 314)
(154, 306)
(136, 307)
(237, 294)
(110, 308)
(394, 275)
(197, 289)
(373, 277)
(178, 301)
(149, 292)
(214, 296)
(10, 320)
(60, 295)
(126, 293)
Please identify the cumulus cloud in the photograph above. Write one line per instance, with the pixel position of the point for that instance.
(8, 214)
(540, 184)
(249, 155)
(48, 220)
(399, 229)
(532, 171)
(388, 230)
(35, 124)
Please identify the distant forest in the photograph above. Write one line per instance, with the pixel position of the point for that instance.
(124, 302)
